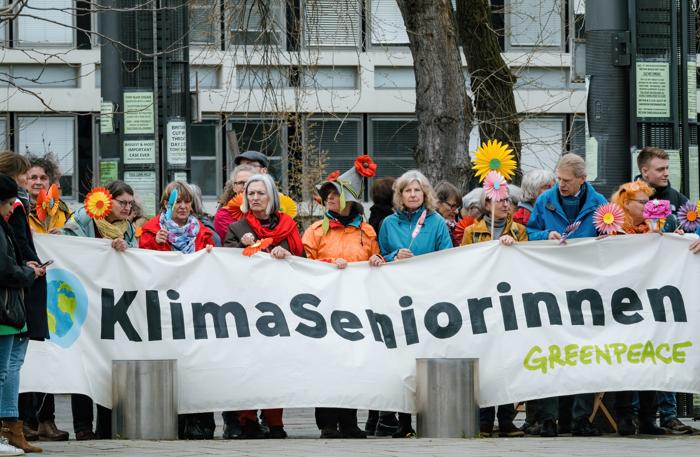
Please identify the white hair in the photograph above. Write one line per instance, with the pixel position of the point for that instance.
(533, 181)
(273, 202)
(472, 198)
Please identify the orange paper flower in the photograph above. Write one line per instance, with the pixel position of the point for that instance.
(54, 197)
(258, 246)
(234, 207)
(98, 203)
(365, 166)
(42, 205)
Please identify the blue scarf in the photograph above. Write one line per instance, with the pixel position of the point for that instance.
(181, 238)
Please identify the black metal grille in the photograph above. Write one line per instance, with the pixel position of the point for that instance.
(654, 16)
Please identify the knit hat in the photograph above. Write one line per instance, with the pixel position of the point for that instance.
(8, 187)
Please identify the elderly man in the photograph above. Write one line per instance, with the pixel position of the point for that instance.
(571, 199)
(253, 158)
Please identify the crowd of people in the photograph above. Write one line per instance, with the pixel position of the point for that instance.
(250, 210)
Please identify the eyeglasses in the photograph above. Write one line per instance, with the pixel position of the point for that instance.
(454, 207)
(239, 183)
(643, 202)
(125, 203)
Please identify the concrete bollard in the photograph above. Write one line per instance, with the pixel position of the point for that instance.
(447, 398)
(144, 399)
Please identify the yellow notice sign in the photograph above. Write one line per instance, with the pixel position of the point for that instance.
(653, 89)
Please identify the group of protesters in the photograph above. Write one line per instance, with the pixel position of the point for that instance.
(252, 209)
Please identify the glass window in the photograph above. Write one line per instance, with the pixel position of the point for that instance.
(268, 137)
(208, 77)
(205, 22)
(338, 142)
(577, 135)
(256, 22)
(330, 77)
(394, 78)
(393, 145)
(535, 23)
(332, 23)
(204, 157)
(3, 134)
(251, 77)
(30, 75)
(542, 142)
(50, 135)
(51, 23)
(387, 23)
(538, 78)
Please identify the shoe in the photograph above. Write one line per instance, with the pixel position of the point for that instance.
(549, 429)
(8, 449)
(371, 424)
(330, 433)
(648, 427)
(387, 426)
(583, 427)
(676, 427)
(485, 430)
(353, 432)
(404, 432)
(626, 425)
(86, 435)
(14, 433)
(276, 433)
(30, 434)
(232, 431)
(48, 431)
(532, 429)
(251, 431)
(509, 430)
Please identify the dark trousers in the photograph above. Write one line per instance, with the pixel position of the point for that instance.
(342, 418)
(647, 404)
(35, 407)
(506, 413)
(230, 417)
(82, 406)
(581, 409)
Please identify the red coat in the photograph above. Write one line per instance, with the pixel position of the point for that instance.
(150, 228)
(521, 216)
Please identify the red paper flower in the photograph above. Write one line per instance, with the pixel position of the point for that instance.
(42, 205)
(333, 176)
(234, 207)
(258, 246)
(461, 226)
(365, 166)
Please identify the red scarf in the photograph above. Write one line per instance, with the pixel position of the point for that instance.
(286, 229)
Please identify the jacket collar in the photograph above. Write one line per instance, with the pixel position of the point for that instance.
(589, 204)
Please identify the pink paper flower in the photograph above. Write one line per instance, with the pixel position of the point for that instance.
(608, 218)
(495, 186)
(657, 209)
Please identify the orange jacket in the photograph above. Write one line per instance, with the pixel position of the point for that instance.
(350, 243)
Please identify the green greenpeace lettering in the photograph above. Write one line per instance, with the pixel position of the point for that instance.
(571, 355)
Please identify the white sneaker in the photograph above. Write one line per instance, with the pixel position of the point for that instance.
(7, 449)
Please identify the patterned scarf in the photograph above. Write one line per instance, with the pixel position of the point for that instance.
(181, 238)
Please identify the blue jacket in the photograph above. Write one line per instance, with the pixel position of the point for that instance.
(548, 215)
(396, 231)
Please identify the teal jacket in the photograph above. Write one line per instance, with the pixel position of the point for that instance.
(80, 224)
(397, 229)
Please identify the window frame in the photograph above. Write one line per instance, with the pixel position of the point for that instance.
(564, 132)
(36, 44)
(305, 43)
(509, 47)
(216, 122)
(383, 117)
(228, 32)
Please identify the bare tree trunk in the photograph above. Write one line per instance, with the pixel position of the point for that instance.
(443, 108)
(491, 78)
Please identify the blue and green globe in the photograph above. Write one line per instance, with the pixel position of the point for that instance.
(66, 303)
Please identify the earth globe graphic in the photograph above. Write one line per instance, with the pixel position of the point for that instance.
(66, 303)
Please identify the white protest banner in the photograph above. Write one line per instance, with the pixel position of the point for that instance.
(620, 313)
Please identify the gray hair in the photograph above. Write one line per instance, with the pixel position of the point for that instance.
(574, 163)
(240, 168)
(484, 198)
(197, 204)
(429, 198)
(533, 181)
(472, 198)
(273, 203)
(515, 194)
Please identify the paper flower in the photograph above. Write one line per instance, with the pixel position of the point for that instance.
(608, 218)
(332, 176)
(288, 206)
(688, 217)
(657, 209)
(365, 166)
(171, 204)
(98, 203)
(42, 205)
(568, 231)
(54, 198)
(495, 186)
(257, 247)
(461, 226)
(494, 156)
(234, 207)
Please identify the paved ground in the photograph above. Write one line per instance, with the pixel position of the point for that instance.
(304, 441)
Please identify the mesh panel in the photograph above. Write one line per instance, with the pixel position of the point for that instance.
(654, 17)
(659, 135)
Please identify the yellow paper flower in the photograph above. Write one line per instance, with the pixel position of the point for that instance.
(98, 203)
(494, 156)
(288, 206)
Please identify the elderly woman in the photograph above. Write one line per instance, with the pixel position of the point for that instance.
(224, 216)
(16, 275)
(413, 196)
(341, 237)
(36, 409)
(449, 204)
(262, 219)
(42, 174)
(507, 232)
(534, 183)
(471, 204)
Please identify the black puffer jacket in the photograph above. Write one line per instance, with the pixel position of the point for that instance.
(15, 276)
